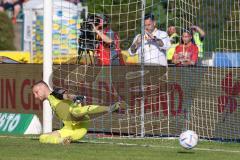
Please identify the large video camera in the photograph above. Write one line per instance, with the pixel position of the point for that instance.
(87, 38)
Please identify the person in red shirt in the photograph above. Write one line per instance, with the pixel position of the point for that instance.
(108, 51)
(186, 53)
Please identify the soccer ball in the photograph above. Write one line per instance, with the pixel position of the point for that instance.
(188, 139)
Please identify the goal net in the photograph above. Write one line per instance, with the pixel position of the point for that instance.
(213, 96)
(158, 100)
(142, 88)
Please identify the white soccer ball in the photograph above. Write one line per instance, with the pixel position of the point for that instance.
(188, 139)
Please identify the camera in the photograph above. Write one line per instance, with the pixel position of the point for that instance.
(87, 38)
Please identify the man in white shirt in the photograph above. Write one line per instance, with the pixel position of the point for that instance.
(156, 43)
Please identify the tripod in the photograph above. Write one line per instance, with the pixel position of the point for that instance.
(81, 52)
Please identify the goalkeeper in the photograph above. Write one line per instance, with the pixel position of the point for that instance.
(69, 109)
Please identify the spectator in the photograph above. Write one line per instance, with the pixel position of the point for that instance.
(108, 51)
(74, 1)
(186, 53)
(156, 42)
(198, 37)
(14, 5)
(174, 39)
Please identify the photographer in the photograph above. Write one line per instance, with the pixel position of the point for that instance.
(97, 36)
(108, 51)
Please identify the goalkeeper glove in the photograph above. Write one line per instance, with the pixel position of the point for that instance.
(79, 99)
(58, 93)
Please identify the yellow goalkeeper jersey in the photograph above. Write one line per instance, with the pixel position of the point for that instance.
(62, 110)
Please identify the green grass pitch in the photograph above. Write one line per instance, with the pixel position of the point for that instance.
(29, 148)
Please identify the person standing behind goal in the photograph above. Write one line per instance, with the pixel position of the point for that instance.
(108, 50)
(186, 53)
(156, 42)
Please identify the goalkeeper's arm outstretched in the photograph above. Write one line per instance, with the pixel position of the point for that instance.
(69, 109)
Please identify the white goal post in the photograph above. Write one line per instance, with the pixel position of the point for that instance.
(47, 63)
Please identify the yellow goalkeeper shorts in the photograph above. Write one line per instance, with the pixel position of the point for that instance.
(75, 131)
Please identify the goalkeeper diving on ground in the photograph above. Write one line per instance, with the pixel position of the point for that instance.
(69, 109)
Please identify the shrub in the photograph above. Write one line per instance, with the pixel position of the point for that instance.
(6, 33)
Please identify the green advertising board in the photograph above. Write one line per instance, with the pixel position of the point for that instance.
(12, 123)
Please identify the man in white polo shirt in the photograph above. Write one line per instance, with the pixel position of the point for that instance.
(156, 43)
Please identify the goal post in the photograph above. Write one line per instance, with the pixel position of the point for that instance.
(47, 63)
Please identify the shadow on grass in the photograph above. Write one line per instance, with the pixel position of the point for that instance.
(186, 152)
